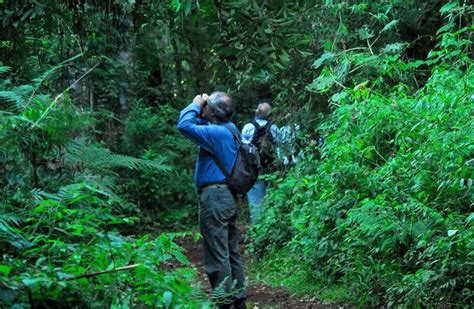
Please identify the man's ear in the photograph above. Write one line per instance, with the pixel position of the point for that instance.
(212, 110)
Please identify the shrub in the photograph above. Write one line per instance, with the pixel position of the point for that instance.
(387, 211)
(170, 198)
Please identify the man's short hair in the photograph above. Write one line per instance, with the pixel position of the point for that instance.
(222, 104)
(263, 109)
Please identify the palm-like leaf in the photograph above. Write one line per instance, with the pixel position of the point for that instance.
(9, 232)
(18, 96)
(101, 159)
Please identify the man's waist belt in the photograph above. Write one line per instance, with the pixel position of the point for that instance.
(211, 186)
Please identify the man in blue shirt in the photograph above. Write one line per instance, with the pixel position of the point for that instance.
(204, 122)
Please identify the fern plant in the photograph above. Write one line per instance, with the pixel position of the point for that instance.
(96, 158)
(9, 229)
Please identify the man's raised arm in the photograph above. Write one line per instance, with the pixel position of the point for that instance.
(190, 125)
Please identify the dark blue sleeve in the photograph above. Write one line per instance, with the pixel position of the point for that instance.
(190, 126)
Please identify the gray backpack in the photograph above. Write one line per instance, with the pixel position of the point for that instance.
(244, 174)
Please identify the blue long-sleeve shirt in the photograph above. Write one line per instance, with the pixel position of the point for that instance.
(214, 138)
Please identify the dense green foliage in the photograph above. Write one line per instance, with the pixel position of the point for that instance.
(62, 217)
(382, 212)
(387, 210)
(91, 161)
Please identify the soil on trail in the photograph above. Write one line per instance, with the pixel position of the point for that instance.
(259, 296)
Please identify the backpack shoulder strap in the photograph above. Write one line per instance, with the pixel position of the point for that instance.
(220, 166)
(255, 124)
(234, 134)
(268, 125)
(216, 159)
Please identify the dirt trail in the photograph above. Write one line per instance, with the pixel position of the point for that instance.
(260, 296)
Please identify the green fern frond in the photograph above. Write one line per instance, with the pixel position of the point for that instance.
(9, 232)
(18, 96)
(11, 97)
(7, 221)
(198, 293)
(71, 193)
(103, 184)
(3, 153)
(4, 69)
(221, 296)
(97, 158)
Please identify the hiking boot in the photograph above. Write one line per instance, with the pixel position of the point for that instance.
(239, 304)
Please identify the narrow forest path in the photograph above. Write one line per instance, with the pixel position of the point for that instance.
(260, 296)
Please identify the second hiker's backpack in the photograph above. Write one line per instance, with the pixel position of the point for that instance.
(244, 173)
(264, 141)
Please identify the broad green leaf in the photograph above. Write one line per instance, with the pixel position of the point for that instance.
(181, 258)
(337, 97)
(188, 6)
(167, 298)
(322, 83)
(452, 232)
(176, 5)
(448, 7)
(365, 33)
(446, 28)
(470, 218)
(389, 26)
(31, 281)
(5, 270)
(326, 57)
(111, 266)
(393, 48)
(197, 236)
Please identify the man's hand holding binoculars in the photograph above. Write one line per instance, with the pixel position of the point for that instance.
(201, 100)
